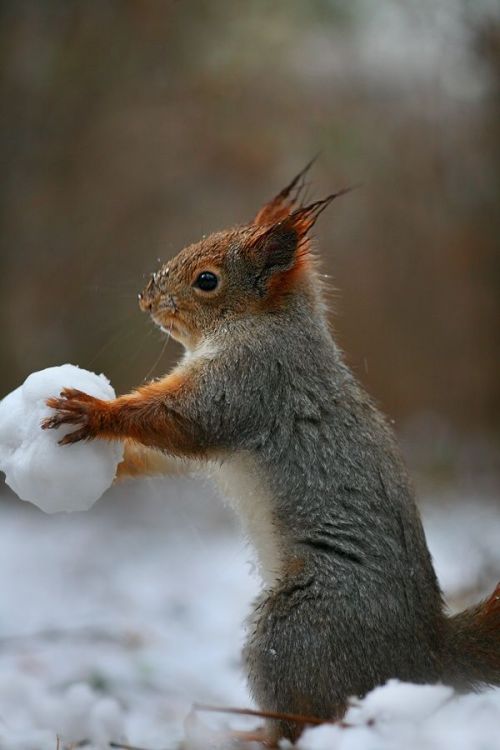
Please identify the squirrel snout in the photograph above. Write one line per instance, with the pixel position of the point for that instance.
(149, 296)
(154, 295)
(145, 302)
(148, 300)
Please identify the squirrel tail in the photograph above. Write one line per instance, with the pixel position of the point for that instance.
(474, 645)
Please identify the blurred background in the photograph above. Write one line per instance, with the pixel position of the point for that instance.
(129, 129)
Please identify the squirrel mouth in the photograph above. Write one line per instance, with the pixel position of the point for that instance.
(168, 324)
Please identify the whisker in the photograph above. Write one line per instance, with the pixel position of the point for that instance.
(162, 352)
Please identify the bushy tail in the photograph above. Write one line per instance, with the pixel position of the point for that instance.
(474, 645)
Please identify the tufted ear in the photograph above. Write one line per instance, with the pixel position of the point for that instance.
(279, 246)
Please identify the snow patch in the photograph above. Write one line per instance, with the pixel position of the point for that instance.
(78, 713)
(415, 717)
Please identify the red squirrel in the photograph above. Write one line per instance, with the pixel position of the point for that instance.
(264, 401)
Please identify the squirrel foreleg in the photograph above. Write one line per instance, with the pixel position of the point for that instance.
(147, 416)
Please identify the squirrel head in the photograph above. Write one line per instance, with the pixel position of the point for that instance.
(236, 273)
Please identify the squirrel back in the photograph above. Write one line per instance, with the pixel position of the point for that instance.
(264, 397)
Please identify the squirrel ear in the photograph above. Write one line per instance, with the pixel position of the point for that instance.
(274, 250)
(283, 204)
(279, 246)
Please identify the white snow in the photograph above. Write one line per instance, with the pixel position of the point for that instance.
(413, 717)
(113, 622)
(74, 713)
(54, 477)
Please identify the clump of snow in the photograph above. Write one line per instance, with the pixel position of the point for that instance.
(54, 477)
(415, 717)
(399, 701)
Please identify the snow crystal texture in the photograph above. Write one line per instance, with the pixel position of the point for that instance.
(54, 477)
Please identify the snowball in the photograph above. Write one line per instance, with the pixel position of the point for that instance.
(54, 477)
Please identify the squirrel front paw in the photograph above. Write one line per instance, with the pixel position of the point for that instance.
(75, 407)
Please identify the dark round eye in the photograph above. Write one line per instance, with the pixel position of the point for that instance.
(206, 281)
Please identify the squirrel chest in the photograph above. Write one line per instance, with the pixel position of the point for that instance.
(244, 485)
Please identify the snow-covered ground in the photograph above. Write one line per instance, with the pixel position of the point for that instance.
(113, 622)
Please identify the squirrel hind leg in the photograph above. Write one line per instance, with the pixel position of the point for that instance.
(288, 729)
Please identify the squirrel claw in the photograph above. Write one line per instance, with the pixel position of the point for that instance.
(75, 437)
(50, 423)
(62, 417)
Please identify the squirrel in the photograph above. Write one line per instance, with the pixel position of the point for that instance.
(264, 399)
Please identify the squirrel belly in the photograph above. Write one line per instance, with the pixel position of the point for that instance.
(242, 483)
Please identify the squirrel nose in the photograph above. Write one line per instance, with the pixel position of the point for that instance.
(144, 303)
(146, 297)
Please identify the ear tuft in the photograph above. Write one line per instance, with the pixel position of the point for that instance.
(283, 204)
(305, 217)
(280, 246)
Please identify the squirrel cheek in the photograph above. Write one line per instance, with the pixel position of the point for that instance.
(168, 301)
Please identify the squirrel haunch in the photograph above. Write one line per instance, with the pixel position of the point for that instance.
(264, 398)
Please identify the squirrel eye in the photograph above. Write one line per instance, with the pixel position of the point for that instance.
(206, 281)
